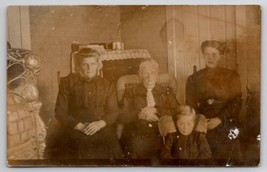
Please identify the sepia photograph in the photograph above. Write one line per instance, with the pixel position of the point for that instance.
(133, 85)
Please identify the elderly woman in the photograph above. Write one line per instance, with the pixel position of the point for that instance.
(142, 106)
(215, 92)
(87, 107)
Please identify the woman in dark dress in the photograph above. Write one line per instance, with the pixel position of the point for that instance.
(215, 92)
(87, 107)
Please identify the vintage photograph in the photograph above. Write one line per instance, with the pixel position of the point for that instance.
(139, 85)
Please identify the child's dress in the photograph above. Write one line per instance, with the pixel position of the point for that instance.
(193, 146)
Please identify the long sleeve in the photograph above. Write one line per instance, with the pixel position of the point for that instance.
(204, 148)
(171, 104)
(233, 106)
(62, 105)
(166, 151)
(111, 106)
(191, 97)
(128, 113)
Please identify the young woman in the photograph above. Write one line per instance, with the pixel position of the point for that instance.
(215, 92)
(87, 107)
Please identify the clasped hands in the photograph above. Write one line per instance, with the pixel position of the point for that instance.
(90, 128)
(149, 114)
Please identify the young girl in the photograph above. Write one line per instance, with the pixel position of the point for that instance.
(186, 143)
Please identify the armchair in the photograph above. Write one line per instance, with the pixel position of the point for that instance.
(127, 81)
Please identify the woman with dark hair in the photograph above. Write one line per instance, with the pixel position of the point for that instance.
(215, 92)
(87, 107)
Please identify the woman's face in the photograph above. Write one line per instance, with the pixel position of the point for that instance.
(149, 77)
(212, 57)
(185, 125)
(89, 67)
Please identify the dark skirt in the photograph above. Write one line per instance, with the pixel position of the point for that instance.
(222, 147)
(73, 144)
(145, 146)
(143, 141)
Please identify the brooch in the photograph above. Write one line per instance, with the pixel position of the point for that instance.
(233, 133)
(210, 101)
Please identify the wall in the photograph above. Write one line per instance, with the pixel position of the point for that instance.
(187, 28)
(251, 67)
(18, 27)
(54, 29)
(144, 27)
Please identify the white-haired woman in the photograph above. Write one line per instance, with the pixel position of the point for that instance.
(142, 106)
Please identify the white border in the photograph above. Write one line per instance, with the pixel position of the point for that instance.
(3, 11)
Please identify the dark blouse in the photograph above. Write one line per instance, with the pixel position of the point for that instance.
(134, 100)
(215, 93)
(82, 100)
(193, 146)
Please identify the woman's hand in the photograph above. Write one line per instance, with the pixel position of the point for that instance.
(80, 127)
(94, 127)
(149, 114)
(213, 123)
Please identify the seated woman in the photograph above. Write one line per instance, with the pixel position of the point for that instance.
(215, 92)
(186, 143)
(142, 106)
(87, 107)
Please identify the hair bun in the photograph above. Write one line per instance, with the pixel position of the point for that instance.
(221, 46)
